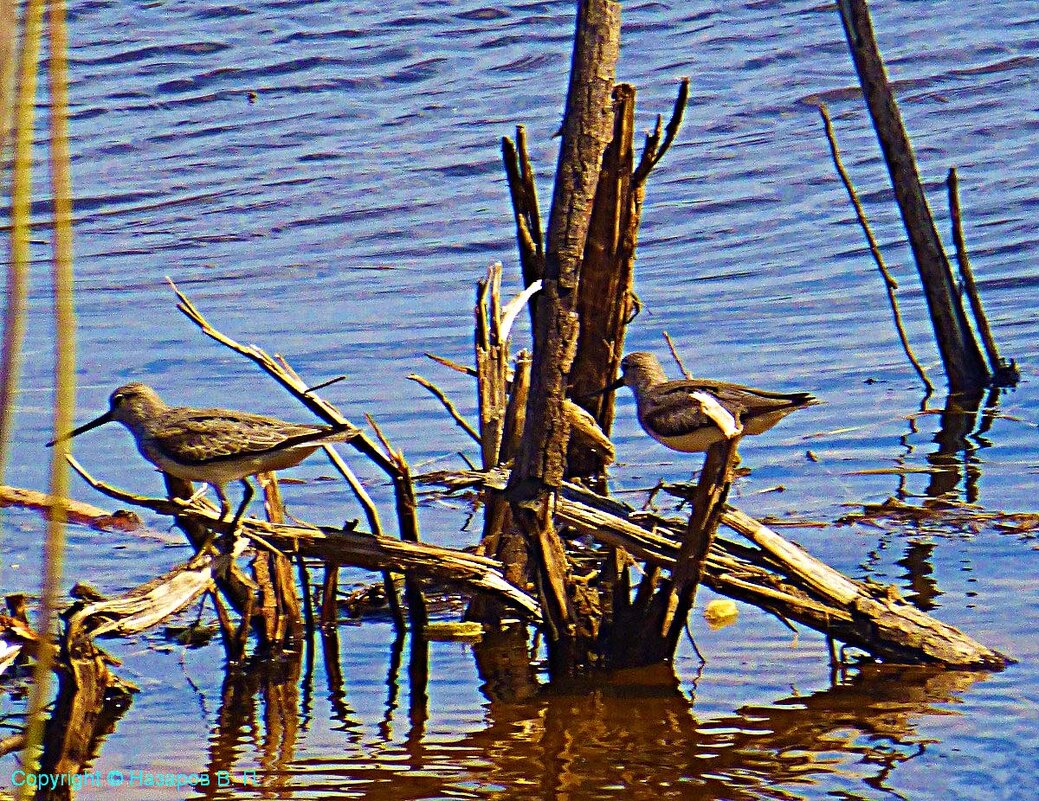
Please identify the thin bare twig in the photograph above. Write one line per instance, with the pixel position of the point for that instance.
(363, 498)
(1002, 372)
(460, 368)
(407, 518)
(446, 402)
(654, 151)
(889, 283)
(675, 356)
(370, 510)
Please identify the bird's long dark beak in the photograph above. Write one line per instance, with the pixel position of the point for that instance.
(608, 388)
(100, 421)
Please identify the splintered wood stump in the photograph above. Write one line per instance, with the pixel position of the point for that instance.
(606, 299)
(90, 702)
(540, 463)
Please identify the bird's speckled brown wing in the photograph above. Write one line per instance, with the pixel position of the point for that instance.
(204, 436)
(673, 411)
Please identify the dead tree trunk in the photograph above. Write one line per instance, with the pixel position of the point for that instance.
(606, 300)
(605, 296)
(959, 350)
(541, 460)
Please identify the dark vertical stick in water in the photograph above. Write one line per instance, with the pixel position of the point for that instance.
(407, 522)
(708, 505)
(959, 350)
(1003, 374)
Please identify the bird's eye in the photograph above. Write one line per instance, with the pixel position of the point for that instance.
(118, 399)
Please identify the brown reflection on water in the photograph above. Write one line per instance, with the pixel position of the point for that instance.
(637, 736)
(954, 461)
(634, 734)
(260, 707)
(959, 418)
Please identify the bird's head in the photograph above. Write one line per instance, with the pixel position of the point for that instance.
(131, 405)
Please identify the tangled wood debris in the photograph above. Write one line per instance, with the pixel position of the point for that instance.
(607, 586)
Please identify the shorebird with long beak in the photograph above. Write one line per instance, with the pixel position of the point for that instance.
(690, 415)
(215, 446)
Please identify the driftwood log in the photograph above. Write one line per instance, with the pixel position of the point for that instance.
(776, 575)
(342, 547)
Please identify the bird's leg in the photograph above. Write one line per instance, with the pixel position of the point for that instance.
(225, 505)
(247, 495)
(225, 510)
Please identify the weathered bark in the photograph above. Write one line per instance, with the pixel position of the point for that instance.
(586, 131)
(516, 411)
(959, 350)
(607, 272)
(882, 623)
(649, 631)
(278, 603)
(525, 209)
(492, 366)
(501, 538)
(407, 520)
(777, 576)
(541, 461)
(607, 300)
(90, 702)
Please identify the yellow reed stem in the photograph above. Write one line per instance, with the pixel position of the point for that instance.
(64, 365)
(21, 191)
(8, 48)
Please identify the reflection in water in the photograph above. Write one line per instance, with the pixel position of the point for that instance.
(341, 711)
(634, 734)
(958, 420)
(260, 706)
(959, 433)
(919, 572)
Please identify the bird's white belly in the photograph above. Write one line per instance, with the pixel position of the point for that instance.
(694, 442)
(225, 471)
